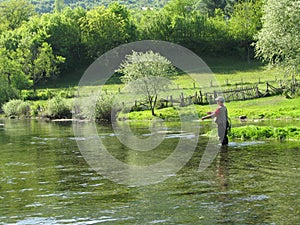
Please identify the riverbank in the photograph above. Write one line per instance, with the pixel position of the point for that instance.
(275, 107)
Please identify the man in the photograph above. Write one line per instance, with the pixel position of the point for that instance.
(221, 116)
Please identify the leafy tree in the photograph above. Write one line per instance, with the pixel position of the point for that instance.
(10, 67)
(278, 41)
(58, 5)
(124, 14)
(14, 12)
(245, 22)
(102, 30)
(210, 6)
(6, 92)
(154, 25)
(146, 74)
(35, 55)
(64, 35)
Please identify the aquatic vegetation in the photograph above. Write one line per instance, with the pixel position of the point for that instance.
(252, 132)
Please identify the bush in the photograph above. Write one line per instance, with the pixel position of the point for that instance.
(104, 110)
(58, 108)
(29, 95)
(38, 95)
(45, 94)
(37, 109)
(67, 93)
(7, 92)
(17, 108)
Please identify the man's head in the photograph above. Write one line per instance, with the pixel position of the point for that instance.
(220, 100)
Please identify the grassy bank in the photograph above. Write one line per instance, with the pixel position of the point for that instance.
(276, 107)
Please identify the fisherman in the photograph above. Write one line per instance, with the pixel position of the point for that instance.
(221, 118)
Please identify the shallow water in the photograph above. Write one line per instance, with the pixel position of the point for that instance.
(46, 180)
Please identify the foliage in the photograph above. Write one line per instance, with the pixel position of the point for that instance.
(245, 23)
(58, 108)
(278, 41)
(103, 29)
(14, 12)
(105, 110)
(147, 74)
(37, 108)
(252, 132)
(16, 107)
(6, 92)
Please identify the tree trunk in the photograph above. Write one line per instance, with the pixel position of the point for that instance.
(8, 79)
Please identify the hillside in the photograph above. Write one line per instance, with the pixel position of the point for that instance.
(44, 6)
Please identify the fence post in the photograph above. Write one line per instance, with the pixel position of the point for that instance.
(201, 97)
(181, 99)
(215, 94)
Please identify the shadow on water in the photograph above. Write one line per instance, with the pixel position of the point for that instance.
(45, 180)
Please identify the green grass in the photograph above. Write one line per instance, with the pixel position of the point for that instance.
(227, 72)
(276, 107)
(270, 107)
(265, 132)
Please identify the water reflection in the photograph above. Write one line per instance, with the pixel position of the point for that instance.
(222, 168)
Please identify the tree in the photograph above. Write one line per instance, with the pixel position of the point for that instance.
(36, 55)
(279, 39)
(6, 92)
(245, 22)
(58, 5)
(147, 74)
(13, 13)
(63, 34)
(102, 30)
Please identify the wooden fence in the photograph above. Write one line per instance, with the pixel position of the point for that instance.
(234, 94)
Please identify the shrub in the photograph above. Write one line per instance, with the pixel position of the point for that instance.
(58, 108)
(67, 93)
(45, 94)
(16, 107)
(6, 92)
(29, 95)
(105, 110)
(37, 109)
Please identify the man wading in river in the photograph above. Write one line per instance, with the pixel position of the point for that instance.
(221, 119)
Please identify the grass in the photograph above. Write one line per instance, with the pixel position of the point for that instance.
(265, 132)
(270, 107)
(276, 107)
(227, 72)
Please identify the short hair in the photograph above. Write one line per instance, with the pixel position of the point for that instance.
(220, 99)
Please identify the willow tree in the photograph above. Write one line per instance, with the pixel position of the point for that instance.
(147, 74)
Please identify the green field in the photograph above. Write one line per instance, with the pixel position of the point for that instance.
(227, 73)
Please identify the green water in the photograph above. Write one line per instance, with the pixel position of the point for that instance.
(46, 180)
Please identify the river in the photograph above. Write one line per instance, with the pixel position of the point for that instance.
(46, 180)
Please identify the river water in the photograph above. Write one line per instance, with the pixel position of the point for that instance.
(46, 180)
